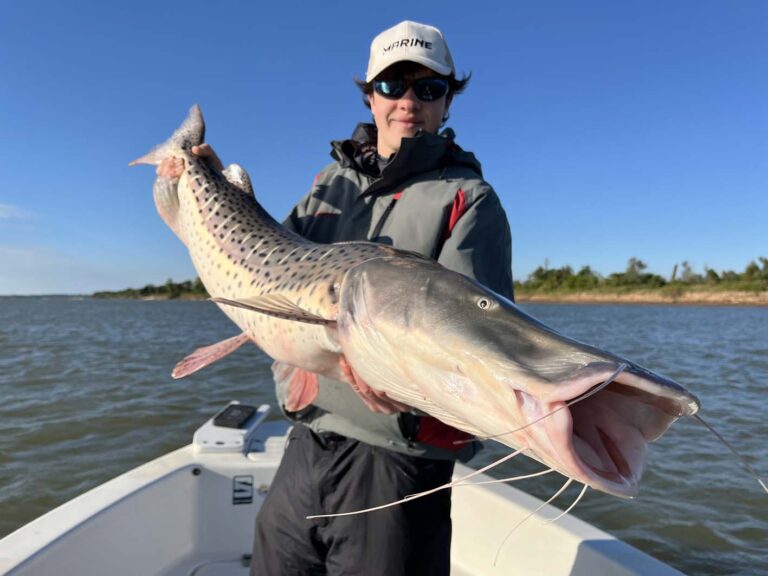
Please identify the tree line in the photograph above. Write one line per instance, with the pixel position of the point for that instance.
(170, 290)
(754, 278)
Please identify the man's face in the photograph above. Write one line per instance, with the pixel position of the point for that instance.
(405, 116)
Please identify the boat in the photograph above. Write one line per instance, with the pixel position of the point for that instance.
(191, 513)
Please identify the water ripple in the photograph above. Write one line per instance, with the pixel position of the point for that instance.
(87, 395)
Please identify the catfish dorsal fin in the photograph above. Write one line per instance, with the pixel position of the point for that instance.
(239, 178)
(190, 133)
(278, 306)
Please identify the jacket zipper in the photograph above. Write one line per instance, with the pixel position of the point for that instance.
(383, 219)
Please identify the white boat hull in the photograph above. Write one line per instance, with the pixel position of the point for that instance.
(191, 512)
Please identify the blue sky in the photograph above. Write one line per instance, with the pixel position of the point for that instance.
(609, 129)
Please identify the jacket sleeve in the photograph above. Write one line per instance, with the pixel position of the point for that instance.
(480, 243)
(298, 219)
(298, 215)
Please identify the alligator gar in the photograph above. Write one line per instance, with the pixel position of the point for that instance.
(405, 332)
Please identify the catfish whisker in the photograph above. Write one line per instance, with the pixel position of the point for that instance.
(571, 507)
(426, 492)
(530, 515)
(733, 450)
(501, 480)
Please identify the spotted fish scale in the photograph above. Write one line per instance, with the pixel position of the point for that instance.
(242, 254)
(240, 251)
(262, 255)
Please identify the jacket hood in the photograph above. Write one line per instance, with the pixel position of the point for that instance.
(419, 154)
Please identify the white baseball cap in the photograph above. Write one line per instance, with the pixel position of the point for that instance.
(413, 42)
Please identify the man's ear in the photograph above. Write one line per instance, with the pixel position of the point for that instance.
(448, 101)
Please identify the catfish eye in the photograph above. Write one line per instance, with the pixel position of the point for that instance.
(484, 303)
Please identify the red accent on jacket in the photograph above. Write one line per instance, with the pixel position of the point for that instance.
(435, 433)
(457, 211)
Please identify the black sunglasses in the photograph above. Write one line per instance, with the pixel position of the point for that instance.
(425, 89)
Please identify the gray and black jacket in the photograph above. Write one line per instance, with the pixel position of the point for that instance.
(428, 198)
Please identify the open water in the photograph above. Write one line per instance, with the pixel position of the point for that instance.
(86, 394)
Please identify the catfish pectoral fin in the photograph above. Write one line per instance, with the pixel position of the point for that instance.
(278, 306)
(375, 400)
(300, 387)
(206, 355)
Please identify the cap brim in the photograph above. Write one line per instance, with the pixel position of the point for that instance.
(426, 62)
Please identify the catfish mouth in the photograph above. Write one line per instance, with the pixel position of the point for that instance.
(602, 440)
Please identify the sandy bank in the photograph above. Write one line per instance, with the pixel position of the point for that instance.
(732, 298)
(692, 297)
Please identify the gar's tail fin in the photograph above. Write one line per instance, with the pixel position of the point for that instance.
(190, 133)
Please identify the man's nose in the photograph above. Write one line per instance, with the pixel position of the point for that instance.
(409, 100)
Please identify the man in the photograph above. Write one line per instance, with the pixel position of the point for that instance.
(397, 182)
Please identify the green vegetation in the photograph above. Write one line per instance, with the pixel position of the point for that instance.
(563, 280)
(554, 281)
(190, 289)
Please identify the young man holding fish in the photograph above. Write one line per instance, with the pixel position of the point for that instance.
(398, 182)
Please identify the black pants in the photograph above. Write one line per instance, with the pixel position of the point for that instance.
(328, 473)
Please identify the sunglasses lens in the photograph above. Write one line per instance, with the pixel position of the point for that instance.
(429, 89)
(390, 88)
(426, 89)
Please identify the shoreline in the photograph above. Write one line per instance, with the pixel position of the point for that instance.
(158, 297)
(725, 298)
(691, 297)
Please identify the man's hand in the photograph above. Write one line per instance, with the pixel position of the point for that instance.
(172, 167)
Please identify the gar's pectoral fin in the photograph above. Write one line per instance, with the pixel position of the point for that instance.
(278, 306)
(207, 355)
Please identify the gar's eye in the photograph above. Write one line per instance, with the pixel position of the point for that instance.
(483, 303)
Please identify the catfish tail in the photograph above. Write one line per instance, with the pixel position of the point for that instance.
(190, 133)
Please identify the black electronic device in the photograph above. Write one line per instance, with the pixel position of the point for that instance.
(234, 416)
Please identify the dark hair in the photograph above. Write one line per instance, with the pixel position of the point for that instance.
(406, 68)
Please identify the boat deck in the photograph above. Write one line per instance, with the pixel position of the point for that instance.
(191, 513)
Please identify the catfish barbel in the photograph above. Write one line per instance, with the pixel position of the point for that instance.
(405, 333)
